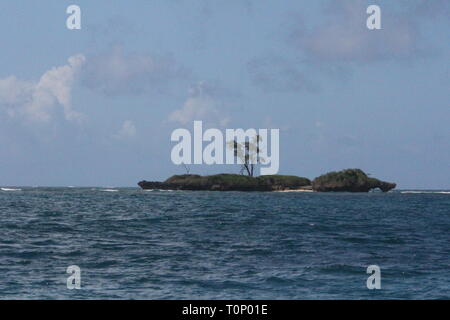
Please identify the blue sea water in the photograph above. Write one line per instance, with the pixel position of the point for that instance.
(136, 244)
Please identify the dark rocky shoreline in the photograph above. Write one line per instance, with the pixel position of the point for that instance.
(350, 180)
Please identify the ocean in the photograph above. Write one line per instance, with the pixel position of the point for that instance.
(136, 244)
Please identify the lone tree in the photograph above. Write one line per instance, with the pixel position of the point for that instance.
(248, 152)
(186, 168)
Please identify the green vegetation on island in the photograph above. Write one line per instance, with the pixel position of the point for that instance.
(349, 180)
(228, 182)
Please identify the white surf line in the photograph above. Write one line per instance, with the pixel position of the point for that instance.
(10, 189)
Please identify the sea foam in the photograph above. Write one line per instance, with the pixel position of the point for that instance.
(431, 192)
(10, 189)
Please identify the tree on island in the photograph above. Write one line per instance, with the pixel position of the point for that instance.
(248, 153)
(186, 168)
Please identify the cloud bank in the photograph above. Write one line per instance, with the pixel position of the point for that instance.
(116, 73)
(37, 101)
(344, 37)
(201, 104)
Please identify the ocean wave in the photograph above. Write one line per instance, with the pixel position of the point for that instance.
(10, 189)
(109, 190)
(435, 192)
(140, 229)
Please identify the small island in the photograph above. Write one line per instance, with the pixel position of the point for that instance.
(350, 180)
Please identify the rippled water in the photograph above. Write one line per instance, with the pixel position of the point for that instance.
(135, 244)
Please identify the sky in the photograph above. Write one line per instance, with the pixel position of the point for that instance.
(97, 106)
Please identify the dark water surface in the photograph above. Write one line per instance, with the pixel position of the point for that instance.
(134, 244)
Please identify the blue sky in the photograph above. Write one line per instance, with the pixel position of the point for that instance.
(96, 106)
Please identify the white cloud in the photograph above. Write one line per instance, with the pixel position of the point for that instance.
(37, 100)
(13, 90)
(200, 105)
(117, 73)
(344, 37)
(128, 130)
